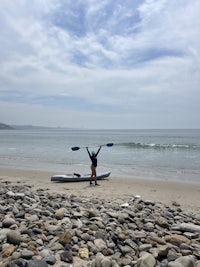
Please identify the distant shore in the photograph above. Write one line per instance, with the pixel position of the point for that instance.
(187, 195)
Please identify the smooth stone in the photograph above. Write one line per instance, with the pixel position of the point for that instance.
(14, 237)
(177, 240)
(16, 255)
(26, 254)
(66, 256)
(7, 222)
(86, 237)
(125, 249)
(66, 238)
(145, 247)
(185, 261)
(37, 263)
(17, 263)
(45, 252)
(190, 235)
(124, 261)
(189, 227)
(60, 213)
(33, 218)
(100, 244)
(19, 195)
(10, 194)
(164, 263)
(139, 234)
(50, 259)
(147, 260)
(163, 223)
(149, 227)
(158, 240)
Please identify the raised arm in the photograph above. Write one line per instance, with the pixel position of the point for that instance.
(88, 152)
(98, 151)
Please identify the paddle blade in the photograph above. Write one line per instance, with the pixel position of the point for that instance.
(75, 148)
(109, 144)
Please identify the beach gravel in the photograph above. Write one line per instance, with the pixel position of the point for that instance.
(38, 228)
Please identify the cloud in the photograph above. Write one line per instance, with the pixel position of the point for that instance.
(124, 63)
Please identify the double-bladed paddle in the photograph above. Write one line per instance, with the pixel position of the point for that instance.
(75, 148)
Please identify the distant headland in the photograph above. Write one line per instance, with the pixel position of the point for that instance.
(6, 127)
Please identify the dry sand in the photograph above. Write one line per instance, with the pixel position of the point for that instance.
(113, 189)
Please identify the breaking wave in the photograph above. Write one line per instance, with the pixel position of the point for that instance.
(160, 146)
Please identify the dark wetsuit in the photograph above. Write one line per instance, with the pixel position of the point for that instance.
(94, 161)
(93, 158)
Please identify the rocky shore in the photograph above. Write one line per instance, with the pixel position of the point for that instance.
(39, 229)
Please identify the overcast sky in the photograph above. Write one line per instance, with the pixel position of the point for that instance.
(100, 63)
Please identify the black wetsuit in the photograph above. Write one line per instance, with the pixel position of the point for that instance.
(94, 161)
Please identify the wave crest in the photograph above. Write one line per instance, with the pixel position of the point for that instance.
(159, 146)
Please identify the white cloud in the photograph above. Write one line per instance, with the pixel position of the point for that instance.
(106, 60)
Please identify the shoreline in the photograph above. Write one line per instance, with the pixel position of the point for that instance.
(117, 189)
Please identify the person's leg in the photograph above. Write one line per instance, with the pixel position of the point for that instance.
(95, 177)
(93, 174)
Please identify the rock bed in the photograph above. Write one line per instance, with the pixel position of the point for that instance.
(39, 229)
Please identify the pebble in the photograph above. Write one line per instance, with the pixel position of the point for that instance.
(38, 229)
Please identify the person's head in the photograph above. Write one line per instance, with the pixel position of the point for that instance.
(93, 153)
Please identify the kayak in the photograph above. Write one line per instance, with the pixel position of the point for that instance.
(76, 177)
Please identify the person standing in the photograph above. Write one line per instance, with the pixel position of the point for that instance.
(93, 157)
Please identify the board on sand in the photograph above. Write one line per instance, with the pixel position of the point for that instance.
(75, 177)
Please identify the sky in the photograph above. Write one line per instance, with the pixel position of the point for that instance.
(120, 64)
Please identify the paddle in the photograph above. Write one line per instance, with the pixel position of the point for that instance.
(75, 148)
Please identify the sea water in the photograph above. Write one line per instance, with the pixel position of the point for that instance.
(153, 154)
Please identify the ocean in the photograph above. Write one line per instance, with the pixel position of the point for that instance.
(172, 155)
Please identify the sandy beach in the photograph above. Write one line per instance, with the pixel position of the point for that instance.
(186, 195)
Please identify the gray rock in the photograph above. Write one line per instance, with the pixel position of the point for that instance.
(124, 261)
(190, 235)
(189, 227)
(164, 263)
(10, 194)
(186, 261)
(33, 218)
(19, 195)
(60, 213)
(27, 254)
(149, 227)
(145, 247)
(177, 240)
(106, 262)
(160, 252)
(50, 259)
(14, 237)
(100, 244)
(66, 256)
(147, 260)
(55, 229)
(16, 263)
(125, 249)
(37, 263)
(7, 222)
